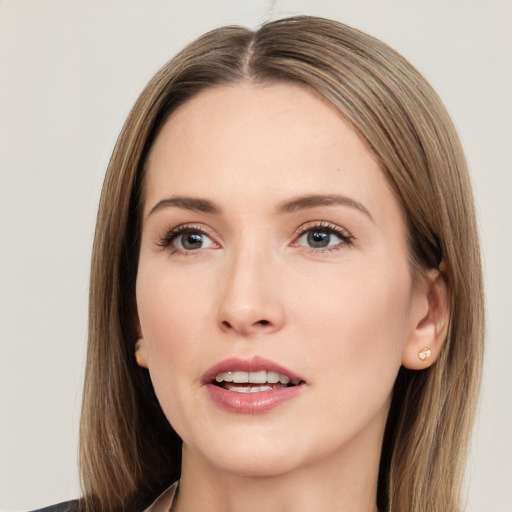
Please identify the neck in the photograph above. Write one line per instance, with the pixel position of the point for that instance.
(345, 480)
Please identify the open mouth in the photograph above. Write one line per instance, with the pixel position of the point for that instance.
(253, 382)
(251, 386)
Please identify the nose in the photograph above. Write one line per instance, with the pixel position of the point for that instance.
(250, 301)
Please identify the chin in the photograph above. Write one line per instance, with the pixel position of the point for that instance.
(258, 465)
(261, 457)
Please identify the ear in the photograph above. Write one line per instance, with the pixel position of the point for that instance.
(141, 353)
(140, 348)
(430, 316)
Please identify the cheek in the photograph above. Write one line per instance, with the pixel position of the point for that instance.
(353, 336)
(169, 307)
(357, 324)
(172, 320)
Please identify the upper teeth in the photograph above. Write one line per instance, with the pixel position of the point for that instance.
(254, 377)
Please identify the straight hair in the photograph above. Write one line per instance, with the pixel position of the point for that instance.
(128, 451)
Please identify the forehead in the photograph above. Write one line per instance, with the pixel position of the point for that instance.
(247, 141)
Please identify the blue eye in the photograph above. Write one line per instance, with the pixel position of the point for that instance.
(323, 237)
(320, 239)
(192, 240)
(186, 239)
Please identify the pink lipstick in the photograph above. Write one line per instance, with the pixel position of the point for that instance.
(251, 386)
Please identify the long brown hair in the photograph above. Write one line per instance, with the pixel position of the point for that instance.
(128, 450)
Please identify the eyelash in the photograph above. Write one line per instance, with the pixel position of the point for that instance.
(346, 238)
(170, 236)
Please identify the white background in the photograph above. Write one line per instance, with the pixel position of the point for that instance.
(69, 73)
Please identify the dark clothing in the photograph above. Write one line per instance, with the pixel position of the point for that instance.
(65, 506)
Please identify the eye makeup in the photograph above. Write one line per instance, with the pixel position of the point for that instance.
(314, 236)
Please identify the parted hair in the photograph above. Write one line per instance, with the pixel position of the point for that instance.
(128, 450)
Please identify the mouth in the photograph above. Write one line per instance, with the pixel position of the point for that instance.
(251, 386)
(240, 381)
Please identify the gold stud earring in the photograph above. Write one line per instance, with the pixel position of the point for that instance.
(138, 346)
(425, 354)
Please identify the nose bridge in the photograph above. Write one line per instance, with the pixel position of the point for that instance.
(249, 299)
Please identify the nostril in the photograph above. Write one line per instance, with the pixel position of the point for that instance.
(245, 327)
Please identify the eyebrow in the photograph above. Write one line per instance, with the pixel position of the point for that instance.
(187, 203)
(293, 205)
(312, 201)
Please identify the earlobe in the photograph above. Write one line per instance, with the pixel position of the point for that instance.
(430, 320)
(141, 352)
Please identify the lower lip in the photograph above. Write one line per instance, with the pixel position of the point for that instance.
(252, 403)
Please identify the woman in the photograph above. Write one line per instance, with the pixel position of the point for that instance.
(286, 297)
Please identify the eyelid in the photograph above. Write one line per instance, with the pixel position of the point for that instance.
(345, 236)
(322, 224)
(165, 241)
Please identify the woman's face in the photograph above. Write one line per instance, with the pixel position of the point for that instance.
(272, 249)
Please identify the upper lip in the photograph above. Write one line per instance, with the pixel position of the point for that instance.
(254, 364)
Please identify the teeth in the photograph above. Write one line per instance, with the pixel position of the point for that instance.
(240, 377)
(247, 389)
(272, 377)
(226, 377)
(260, 377)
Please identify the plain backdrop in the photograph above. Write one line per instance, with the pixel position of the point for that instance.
(69, 73)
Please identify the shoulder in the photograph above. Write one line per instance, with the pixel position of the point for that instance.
(66, 506)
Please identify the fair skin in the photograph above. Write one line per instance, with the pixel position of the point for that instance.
(322, 287)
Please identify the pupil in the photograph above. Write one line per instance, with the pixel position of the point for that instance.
(192, 241)
(318, 238)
